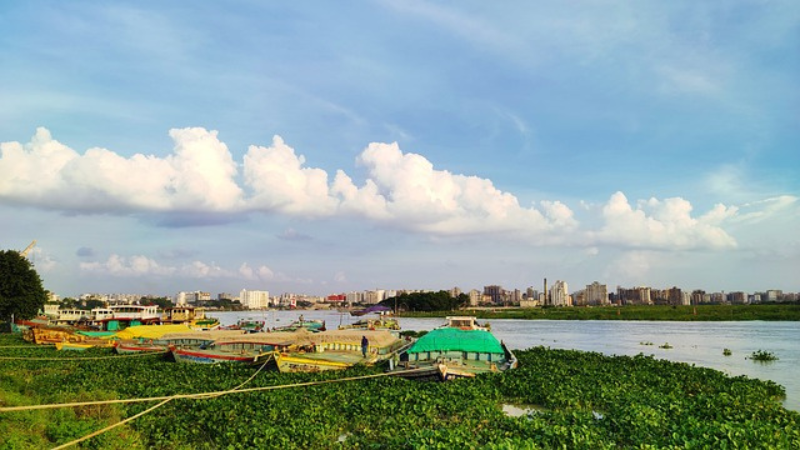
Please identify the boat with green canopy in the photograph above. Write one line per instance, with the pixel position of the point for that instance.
(460, 349)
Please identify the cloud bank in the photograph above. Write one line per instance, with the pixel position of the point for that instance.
(400, 189)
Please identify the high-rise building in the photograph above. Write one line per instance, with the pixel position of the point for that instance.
(559, 294)
(254, 299)
(495, 292)
(596, 294)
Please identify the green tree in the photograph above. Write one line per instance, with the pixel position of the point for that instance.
(21, 291)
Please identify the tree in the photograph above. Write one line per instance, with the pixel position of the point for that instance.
(21, 291)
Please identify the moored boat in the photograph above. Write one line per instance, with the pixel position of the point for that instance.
(77, 346)
(128, 347)
(460, 349)
(338, 350)
(382, 323)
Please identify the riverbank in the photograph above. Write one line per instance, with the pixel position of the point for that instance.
(700, 313)
(582, 400)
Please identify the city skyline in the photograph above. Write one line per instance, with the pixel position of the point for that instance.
(323, 148)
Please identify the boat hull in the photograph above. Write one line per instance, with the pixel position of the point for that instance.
(201, 356)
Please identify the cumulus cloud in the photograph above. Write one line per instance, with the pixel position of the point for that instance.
(660, 224)
(403, 190)
(197, 177)
(262, 273)
(134, 266)
(280, 182)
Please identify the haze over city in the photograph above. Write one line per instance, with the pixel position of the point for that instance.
(327, 147)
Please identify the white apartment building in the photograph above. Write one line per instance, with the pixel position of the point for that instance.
(559, 294)
(254, 299)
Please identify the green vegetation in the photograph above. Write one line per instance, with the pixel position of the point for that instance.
(426, 301)
(727, 352)
(585, 401)
(666, 346)
(697, 313)
(21, 291)
(763, 355)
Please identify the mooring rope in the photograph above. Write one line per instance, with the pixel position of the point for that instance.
(204, 395)
(148, 410)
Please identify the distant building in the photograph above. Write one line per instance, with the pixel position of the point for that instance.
(597, 294)
(495, 293)
(559, 294)
(474, 297)
(254, 299)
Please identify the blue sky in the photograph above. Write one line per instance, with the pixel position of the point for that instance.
(323, 147)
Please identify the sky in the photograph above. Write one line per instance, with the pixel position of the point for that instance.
(326, 147)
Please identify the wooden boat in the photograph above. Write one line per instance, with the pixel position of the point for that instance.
(383, 323)
(216, 354)
(338, 350)
(248, 326)
(313, 326)
(128, 347)
(460, 349)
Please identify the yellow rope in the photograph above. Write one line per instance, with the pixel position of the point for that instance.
(205, 395)
(148, 410)
(99, 432)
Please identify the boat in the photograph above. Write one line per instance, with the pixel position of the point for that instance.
(225, 352)
(314, 325)
(372, 309)
(460, 349)
(78, 346)
(194, 318)
(84, 344)
(128, 347)
(158, 338)
(382, 323)
(248, 326)
(338, 350)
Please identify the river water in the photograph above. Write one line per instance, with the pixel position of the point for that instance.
(698, 343)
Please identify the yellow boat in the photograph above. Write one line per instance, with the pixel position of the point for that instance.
(338, 350)
(72, 346)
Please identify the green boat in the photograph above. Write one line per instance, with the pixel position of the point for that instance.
(460, 349)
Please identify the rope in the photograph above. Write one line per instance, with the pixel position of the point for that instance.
(85, 358)
(148, 410)
(99, 432)
(205, 395)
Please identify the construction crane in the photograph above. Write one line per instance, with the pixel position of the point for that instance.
(27, 250)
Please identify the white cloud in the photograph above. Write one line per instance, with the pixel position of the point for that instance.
(406, 189)
(119, 266)
(281, 183)
(197, 177)
(663, 224)
(401, 190)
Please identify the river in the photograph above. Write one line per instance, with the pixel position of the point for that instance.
(699, 343)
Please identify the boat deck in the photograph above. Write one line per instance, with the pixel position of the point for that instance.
(335, 356)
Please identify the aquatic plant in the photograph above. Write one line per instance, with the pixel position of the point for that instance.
(763, 355)
(665, 346)
(727, 352)
(588, 401)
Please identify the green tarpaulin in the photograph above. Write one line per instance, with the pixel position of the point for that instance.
(454, 339)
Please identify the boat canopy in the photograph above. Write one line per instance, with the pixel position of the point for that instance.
(447, 339)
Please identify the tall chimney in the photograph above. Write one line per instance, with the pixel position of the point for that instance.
(545, 291)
